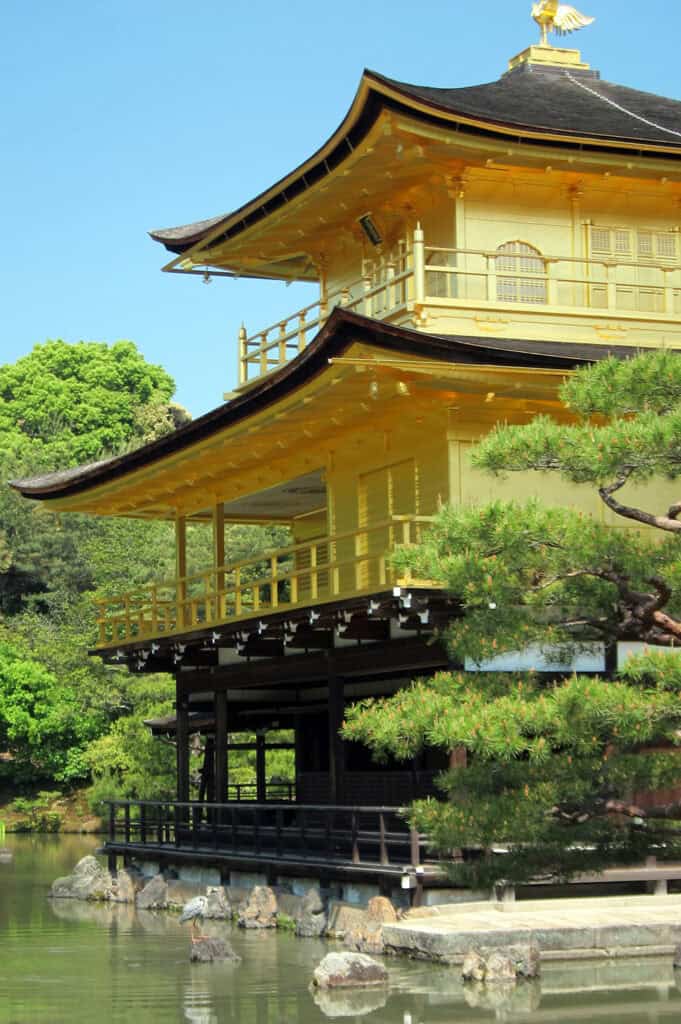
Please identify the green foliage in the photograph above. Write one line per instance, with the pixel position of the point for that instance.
(629, 428)
(127, 761)
(38, 817)
(74, 402)
(555, 765)
(548, 765)
(61, 405)
(41, 726)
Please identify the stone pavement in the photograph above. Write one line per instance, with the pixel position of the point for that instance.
(563, 929)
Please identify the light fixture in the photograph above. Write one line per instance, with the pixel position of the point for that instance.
(369, 228)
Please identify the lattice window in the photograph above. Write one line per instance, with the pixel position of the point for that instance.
(514, 262)
(637, 245)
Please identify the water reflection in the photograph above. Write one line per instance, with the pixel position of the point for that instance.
(69, 962)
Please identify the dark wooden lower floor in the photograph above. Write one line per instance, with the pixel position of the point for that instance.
(329, 841)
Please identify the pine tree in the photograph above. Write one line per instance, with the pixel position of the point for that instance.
(557, 767)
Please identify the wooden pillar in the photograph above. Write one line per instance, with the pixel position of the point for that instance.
(182, 736)
(336, 745)
(221, 755)
(458, 757)
(260, 769)
(218, 556)
(181, 568)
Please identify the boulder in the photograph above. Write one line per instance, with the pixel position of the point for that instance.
(499, 968)
(312, 920)
(88, 881)
(218, 907)
(206, 950)
(526, 959)
(349, 970)
(125, 885)
(154, 895)
(368, 936)
(345, 918)
(473, 967)
(260, 910)
(381, 910)
(367, 939)
(179, 893)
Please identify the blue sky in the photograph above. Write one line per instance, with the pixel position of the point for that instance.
(121, 117)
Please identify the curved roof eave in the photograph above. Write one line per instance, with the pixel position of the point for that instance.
(342, 329)
(377, 93)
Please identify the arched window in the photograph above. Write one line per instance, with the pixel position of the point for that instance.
(521, 273)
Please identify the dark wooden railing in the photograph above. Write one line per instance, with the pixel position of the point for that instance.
(315, 833)
(277, 791)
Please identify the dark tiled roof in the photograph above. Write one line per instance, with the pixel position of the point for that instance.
(342, 329)
(531, 99)
(553, 100)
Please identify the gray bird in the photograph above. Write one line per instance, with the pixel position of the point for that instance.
(194, 911)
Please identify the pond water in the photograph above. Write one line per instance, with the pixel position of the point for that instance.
(65, 961)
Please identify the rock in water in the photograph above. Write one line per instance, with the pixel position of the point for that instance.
(261, 909)
(526, 960)
(5, 855)
(312, 921)
(349, 970)
(217, 908)
(473, 968)
(89, 881)
(206, 950)
(499, 967)
(154, 895)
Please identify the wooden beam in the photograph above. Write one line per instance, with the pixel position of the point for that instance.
(260, 769)
(182, 736)
(336, 744)
(221, 753)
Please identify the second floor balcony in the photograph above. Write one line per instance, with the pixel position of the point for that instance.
(514, 286)
(328, 571)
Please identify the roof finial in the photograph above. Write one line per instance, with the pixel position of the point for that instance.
(552, 16)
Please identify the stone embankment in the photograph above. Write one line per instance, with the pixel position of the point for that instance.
(310, 915)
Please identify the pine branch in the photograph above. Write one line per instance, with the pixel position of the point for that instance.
(669, 523)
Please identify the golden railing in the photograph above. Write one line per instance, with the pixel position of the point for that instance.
(617, 286)
(381, 292)
(332, 568)
(417, 275)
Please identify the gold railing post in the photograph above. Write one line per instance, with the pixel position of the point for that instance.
(314, 579)
(491, 273)
(611, 269)
(282, 342)
(366, 284)
(390, 298)
(668, 290)
(154, 608)
(243, 352)
(264, 360)
(238, 604)
(274, 586)
(302, 331)
(419, 266)
(551, 283)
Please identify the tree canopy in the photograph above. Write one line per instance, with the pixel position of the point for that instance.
(556, 764)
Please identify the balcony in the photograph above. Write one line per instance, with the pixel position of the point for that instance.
(514, 280)
(331, 569)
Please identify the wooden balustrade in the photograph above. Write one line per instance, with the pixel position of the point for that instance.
(328, 834)
(381, 291)
(333, 568)
(416, 274)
